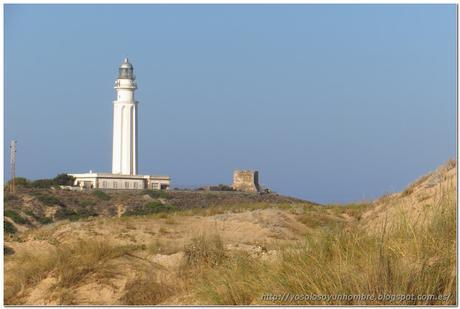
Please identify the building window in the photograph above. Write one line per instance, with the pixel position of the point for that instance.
(114, 184)
(104, 184)
(135, 185)
(126, 185)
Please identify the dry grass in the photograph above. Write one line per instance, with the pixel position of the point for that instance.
(409, 258)
(237, 208)
(145, 289)
(25, 271)
(204, 251)
(338, 254)
(70, 264)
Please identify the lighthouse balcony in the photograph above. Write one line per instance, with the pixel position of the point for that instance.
(125, 83)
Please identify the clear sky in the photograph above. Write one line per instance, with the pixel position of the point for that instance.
(331, 103)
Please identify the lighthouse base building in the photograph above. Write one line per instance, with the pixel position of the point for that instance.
(121, 182)
(124, 152)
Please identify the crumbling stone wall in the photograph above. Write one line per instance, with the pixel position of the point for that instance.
(246, 180)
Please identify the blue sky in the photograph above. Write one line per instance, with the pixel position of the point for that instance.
(331, 103)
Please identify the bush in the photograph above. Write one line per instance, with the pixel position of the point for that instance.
(150, 208)
(221, 187)
(101, 195)
(72, 215)
(157, 194)
(20, 182)
(42, 220)
(42, 183)
(86, 203)
(15, 217)
(8, 227)
(64, 180)
(48, 199)
(59, 180)
(64, 213)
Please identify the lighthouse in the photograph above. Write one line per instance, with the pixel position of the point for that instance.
(124, 174)
(124, 149)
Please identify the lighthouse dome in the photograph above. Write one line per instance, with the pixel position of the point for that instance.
(126, 70)
(126, 64)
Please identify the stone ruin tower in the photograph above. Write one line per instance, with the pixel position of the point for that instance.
(246, 181)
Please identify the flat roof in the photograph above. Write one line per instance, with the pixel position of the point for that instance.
(110, 175)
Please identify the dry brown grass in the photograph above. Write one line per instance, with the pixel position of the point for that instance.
(406, 259)
(70, 264)
(204, 251)
(146, 289)
(26, 270)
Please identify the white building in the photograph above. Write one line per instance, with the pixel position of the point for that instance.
(124, 152)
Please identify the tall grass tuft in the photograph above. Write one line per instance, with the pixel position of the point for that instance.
(204, 251)
(145, 289)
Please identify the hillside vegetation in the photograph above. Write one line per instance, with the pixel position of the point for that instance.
(230, 248)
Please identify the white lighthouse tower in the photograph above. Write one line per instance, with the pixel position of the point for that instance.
(124, 155)
(124, 174)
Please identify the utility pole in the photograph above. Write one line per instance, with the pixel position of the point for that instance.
(13, 166)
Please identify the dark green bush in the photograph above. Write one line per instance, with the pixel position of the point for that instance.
(16, 217)
(42, 220)
(48, 199)
(86, 203)
(63, 180)
(156, 207)
(72, 215)
(101, 195)
(65, 213)
(150, 208)
(8, 227)
(157, 194)
(20, 182)
(221, 187)
(42, 183)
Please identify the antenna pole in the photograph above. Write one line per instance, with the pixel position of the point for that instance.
(13, 166)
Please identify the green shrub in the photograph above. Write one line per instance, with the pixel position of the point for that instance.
(48, 199)
(42, 220)
(72, 215)
(150, 208)
(86, 203)
(59, 180)
(101, 195)
(42, 183)
(63, 180)
(221, 187)
(20, 182)
(157, 194)
(16, 217)
(8, 227)
(65, 213)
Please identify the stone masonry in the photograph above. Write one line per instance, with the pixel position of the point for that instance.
(246, 180)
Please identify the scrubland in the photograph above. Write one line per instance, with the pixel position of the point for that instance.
(238, 252)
